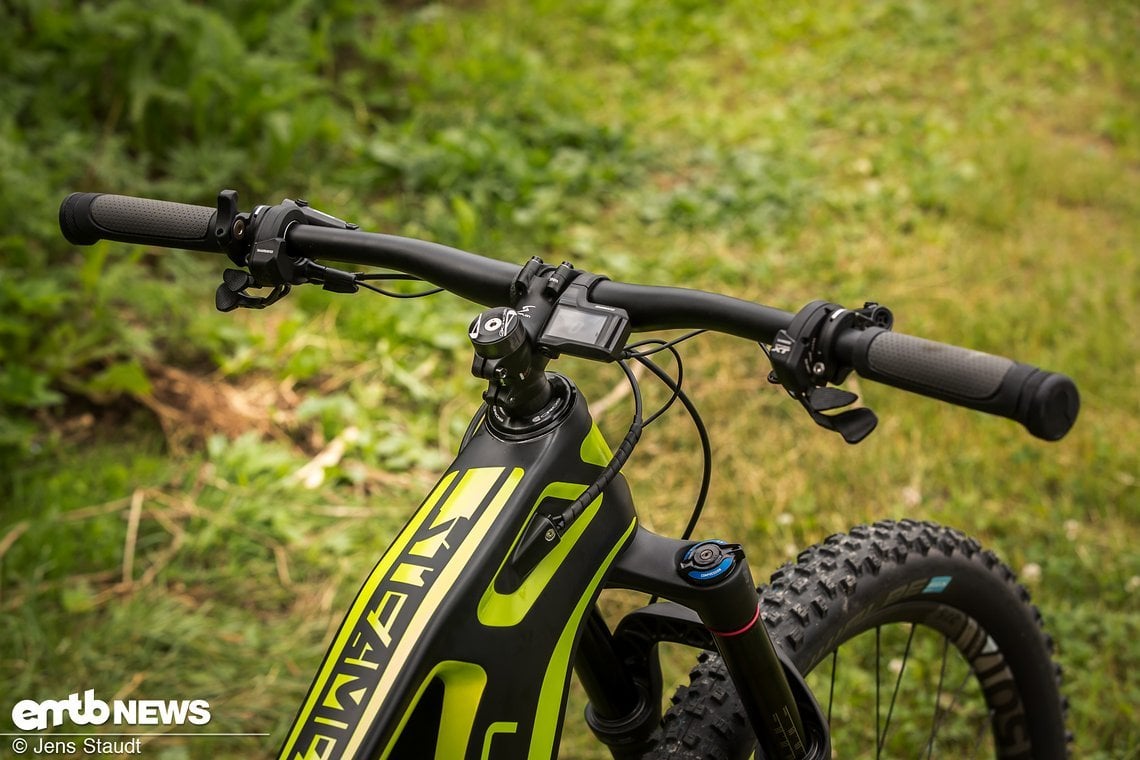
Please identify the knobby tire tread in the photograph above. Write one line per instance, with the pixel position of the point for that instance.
(806, 602)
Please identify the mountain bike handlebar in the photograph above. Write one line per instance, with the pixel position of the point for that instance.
(1046, 403)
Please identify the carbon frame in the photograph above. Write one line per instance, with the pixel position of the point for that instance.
(446, 652)
(440, 649)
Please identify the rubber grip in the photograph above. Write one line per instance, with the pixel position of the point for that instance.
(86, 218)
(1046, 403)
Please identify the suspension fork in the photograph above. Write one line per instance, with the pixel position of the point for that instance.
(712, 578)
(624, 706)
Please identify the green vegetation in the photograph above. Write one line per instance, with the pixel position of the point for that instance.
(188, 500)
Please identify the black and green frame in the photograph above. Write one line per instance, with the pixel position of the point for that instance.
(448, 651)
(436, 650)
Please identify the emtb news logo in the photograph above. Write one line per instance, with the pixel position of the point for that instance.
(30, 715)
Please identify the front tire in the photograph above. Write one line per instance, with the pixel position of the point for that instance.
(917, 642)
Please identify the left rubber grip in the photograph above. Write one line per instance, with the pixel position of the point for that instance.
(85, 218)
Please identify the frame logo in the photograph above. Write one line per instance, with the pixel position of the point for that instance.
(400, 586)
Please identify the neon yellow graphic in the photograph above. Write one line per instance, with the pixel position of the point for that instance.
(553, 682)
(594, 449)
(331, 699)
(500, 727)
(463, 685)
(467, 496)
(361, 661)
(319, 750)
(411, 575)
(354, 615)
(399, 620)
(505, 610)
(470, 492)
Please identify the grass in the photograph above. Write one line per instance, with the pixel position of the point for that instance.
(975, 166)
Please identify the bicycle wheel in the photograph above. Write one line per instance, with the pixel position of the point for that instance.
(917, 644)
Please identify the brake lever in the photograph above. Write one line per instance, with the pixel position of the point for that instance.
(231, 294)
(803, 363)
(854, 424)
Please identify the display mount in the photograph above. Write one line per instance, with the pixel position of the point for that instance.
(580, 328)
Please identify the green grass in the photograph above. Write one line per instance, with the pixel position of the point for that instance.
(975, 166)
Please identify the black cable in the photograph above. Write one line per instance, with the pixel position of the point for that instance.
(637, 407)
(346, 282)
(640, 356)
(661, 344)
(610, 471)
(387, 276)
(702, 432)
(390, 294)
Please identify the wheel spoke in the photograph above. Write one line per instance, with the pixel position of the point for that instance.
(981, 735)
(831, 691)
(878, 668)
(953, 702)
(937, 697)
(895, 693)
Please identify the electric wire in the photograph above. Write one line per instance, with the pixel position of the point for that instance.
(640, 357)
(702, 433)
(388, 276)
(661, 344)
(617, 461)
(319, 274)
(392, 294)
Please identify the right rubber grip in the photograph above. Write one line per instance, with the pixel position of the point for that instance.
(1046, 403)
(86, 218)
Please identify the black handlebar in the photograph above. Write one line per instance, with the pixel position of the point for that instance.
(474, 277)
(1045, 403)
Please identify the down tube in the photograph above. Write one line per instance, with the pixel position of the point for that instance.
(446, 653)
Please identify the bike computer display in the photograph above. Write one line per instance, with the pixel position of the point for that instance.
(580, 328)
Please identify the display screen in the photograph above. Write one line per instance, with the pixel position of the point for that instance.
(574, 324)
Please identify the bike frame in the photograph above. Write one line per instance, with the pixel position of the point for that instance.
(447, 652)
